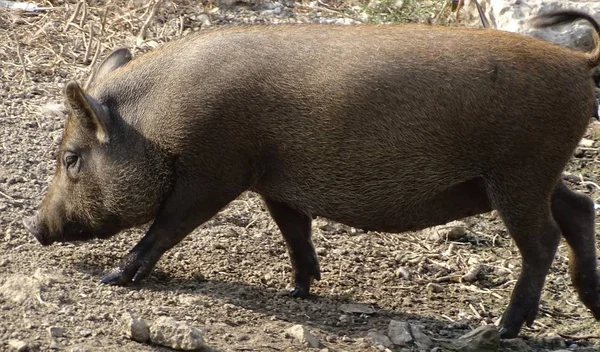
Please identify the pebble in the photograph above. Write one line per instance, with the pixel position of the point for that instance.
(56, 331)
(18, 345)
(301, 333)
(421, 339)
(586, 143)
(356, 308)
(178, 335)
(379, 339)
(403, 273)
(554, 341)
(483, 339)
(54, 345)
(435, 288)
(135, 329)
(516, 345)
(399, 333)
(449, 232)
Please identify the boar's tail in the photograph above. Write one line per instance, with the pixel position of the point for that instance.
(564, 16)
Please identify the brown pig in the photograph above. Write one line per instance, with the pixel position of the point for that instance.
(385, 128)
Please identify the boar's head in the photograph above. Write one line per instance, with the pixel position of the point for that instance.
(108, 177)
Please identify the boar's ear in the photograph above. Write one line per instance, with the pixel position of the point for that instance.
(89, 114)
(113, 61)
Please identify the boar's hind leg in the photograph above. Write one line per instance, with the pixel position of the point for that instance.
(527, 216)
(295, 228)
(575, 215)
(180, 214)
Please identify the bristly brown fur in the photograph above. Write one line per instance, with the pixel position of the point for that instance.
(385, 128)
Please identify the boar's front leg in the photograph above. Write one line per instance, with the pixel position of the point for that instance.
(181, 213)
(296, 230)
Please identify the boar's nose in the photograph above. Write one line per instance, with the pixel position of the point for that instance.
(32, 224)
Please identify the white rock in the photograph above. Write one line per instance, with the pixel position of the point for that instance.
(399, 333)
(398, 4)
(379, 339)
(584, 142)
(18, 345)
(301, 333)
(135, 329)
(179, 335)
(513, 16)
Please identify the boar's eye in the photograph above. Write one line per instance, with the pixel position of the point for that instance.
(72, 163)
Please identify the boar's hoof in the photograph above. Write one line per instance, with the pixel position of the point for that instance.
(510, 326)
(508, 333)
(117, 277)
(298, 291)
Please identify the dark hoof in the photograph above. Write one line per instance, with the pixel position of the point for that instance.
(117, 278)
(298, 292)
(507, 333)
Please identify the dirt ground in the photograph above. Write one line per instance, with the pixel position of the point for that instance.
(227, 278)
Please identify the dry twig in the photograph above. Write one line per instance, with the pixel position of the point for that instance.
(20, 55)
(72, 18)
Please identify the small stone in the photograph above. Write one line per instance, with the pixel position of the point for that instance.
(485, 338)
(135, 329)
(356, 308)
(54, 345)
(421, 340)
(190, 300)
(515, 345)
(435, 288)
(398, 4)
(205, 20)
(18, 345)
(301, 333)
(179, 335)
(346, 338)
(451, 231)
(379, 339)
(199, 276)
(56, 331)
(399, 333)
(178, 256)
(554, 341)
(340, 251)
(321, 250)
(403, 273)
(586, 143)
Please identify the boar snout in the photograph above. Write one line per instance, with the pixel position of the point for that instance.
(32, 224)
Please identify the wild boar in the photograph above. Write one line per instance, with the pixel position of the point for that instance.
(385, 128)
